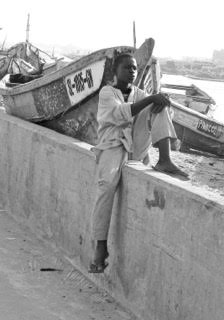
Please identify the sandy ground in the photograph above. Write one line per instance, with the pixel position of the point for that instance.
(205, 171)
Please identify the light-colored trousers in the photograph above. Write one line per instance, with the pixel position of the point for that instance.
(111, 161)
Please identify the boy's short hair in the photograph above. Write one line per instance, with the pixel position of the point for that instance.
(119, 59)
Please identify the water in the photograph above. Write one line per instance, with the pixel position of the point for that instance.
(213, 88)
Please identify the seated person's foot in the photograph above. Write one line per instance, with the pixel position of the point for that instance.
(170, 168)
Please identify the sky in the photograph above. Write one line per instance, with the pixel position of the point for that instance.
(180, 28)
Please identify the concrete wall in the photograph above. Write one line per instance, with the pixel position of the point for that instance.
(166, 240)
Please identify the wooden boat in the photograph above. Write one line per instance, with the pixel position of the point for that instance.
(26, 58)
(191, 96)
(194, 129)
(66, 100)
(55, 93)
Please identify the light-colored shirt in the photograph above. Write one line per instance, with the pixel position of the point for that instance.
(114, 117)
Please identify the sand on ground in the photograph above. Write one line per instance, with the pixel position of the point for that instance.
(205, 170)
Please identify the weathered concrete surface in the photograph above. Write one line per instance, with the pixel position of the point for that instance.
(29, 292)
(166, 241)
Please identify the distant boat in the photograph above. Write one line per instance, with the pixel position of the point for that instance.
(195, 129)
(66, 100)
(191, 96)
(25, 58)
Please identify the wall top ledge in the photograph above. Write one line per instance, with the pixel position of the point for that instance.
(184, 187)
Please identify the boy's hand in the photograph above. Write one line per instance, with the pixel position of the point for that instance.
(160, 101)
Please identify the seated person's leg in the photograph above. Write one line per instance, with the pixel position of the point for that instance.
(108, 177)
(162, 133)
(162, 126)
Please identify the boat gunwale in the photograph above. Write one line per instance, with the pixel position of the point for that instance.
(190, 111)
(73, 66)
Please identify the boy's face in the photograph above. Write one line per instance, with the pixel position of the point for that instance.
(127, 70)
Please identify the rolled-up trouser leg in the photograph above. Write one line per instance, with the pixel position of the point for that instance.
(141, 135)
(162, 126)
(108, 176)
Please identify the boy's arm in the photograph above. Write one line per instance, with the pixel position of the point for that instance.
(159, 102)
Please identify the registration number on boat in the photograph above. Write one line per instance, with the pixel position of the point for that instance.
(208, 127)
(80, 81)
(84, 82)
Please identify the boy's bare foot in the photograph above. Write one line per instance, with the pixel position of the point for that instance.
(100, 255)
(170, 168)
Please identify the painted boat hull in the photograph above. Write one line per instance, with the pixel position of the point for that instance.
(66, 100)
(198, 131)
(79, 123)
(57, 92)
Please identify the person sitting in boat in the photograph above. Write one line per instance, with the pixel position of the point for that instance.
(124, 112)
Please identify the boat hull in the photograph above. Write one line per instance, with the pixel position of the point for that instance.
(193, 140)
(198, 131)
(39, 104)
(53, 94)
(79, 123)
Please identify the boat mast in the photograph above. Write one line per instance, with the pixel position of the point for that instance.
(134, 35)
(28, 28)
(3, 43)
